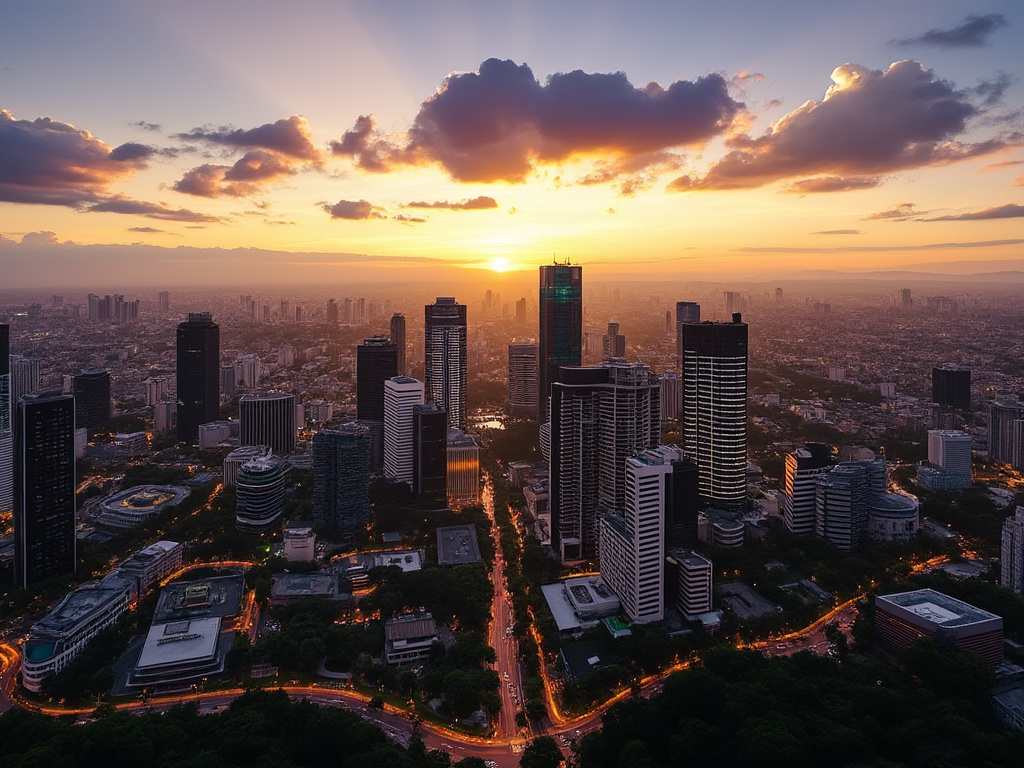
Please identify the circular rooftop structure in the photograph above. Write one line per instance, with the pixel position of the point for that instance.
(132, 507)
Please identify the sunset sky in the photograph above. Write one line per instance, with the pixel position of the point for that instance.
(315, 141)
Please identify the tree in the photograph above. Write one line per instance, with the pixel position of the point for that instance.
(542, 752)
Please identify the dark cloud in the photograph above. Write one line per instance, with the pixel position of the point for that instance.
(246, 177)
(1008, 211)
(869, 123)
(47, 162)
(202, 181)
(290, 136)
(832, 184)
(146, 230)
(353, 209)
(991, 92)
(142, 125)
(408, 219)
(483, 202)
(973, 32)
(500, 123)
(121, 204)
(837, 232)
(897, 213)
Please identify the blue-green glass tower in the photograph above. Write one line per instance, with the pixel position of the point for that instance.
(561, 325)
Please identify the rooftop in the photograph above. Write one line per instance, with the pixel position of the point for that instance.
(936, 609)
(457, 544)
(180, 641)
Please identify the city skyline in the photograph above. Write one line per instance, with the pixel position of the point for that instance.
(681, 142)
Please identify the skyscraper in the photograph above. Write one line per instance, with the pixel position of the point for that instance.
(1004, 432)
(24, 377)
(950, 451)
(44, 487)
(560, 340)
(714, 369)
(268, 419)
(92, 399)
(163, 302)
(463, 471)
(6, 415)
(951, 386)
(198, 372)
(341, 478)
(614, 343)
(686, 312)
(843, 498)
(398, 339)
(429, 460)
(445, 362)
(1012, 560)
(401, 395)
(599, 417)
(798, 491)
(522, 380)
(259, 490)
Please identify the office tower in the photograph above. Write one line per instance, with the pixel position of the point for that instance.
(286, 356)
(250, 371)
(463, 469)
(163, 302)
(268, 419)
(951, 386)
(600, 416)
(521, 310)
(198, 369)
(682, 500)
(398, 339)
(734, 303)
(560, 337)
(401, 395)
(92, 399)
(376, 362)
(259, 493)
(843, 497)
(687, 312)
(341, 478)
(803, 466)
(778, 296)
(156, 390)
(6, 430)
(429, 453)
(228, 387)
(1004, 444)
(24, 377)
(445, 363)
(44, 487)
(593, 344)
(714, 368)
(359, 310)
(950, 451)
(523, 387)
(614, 343)
(905, 298)
(669, 327)
(164, 418)
(1012, 560)
(332, 311)
(694, 582)
(671, 395)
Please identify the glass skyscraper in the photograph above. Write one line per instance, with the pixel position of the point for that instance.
(445, 368)
(198, 374)
(560, 339)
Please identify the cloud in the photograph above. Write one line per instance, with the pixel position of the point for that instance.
(832, 184)
(147, 230)
(973, 32)
(122, 204)
(897, 212)
(1008, 211)
(1000, 166)
(408, 219)
(355, 210)
(483, 202)
(883, 248)
(47, 162)
(837, 232)
(142, 125)
(290, 136)
(869, 123)
(40, 238)
(500, 123)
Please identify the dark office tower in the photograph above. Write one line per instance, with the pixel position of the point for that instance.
(198, 374)
(686, 312)
(228, 387)
(44, 487)
(430, 453)
(599, 417)
(92, 399)
(714, 373)
(6, 432)
(521, 310)
(906, 299)
(778, 296)
(561, 325)
(951, 386)
(268, 419)
(445, 363)
(398, 339)
(332, 311)
(668, 323)
(614, 343)
(341, 478)
(522, 380)
(376, 361)
(163, 302)
(681, 504)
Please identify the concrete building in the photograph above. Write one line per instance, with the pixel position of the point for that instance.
(401, 395)
(239, 456)
(299, 541)
(694, 582)
(841, 505)
(523, 386)
(133, 507)
(803, 466)
(259, 493)
(671, 396)
(268, 419)
(398, 339)
(1012, 557)
(1004, 444)
(151, 565)
(408, 638)
(613, 344)
(214, 434)
(893, 517)
(462, 469)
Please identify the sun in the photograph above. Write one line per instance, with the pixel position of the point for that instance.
(499, 264)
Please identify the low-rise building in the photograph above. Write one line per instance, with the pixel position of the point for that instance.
(408, 638)
(154, 563)
(299, 541)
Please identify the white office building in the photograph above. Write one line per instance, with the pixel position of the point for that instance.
(950, 451)
(695, 582)
(803, 466)
(401, 394)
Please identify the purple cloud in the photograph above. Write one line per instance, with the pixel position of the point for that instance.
(121, 204)
(483, 202)
(832, 184)
(355, 210)
(1008, 211)
(290, 136)
(973, 32)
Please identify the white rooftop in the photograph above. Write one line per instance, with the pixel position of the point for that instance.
(182, 641)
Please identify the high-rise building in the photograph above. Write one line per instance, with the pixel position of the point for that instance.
(398, 339)
(714, 370)
(341, 478)
(843, 498)
(92, 399)
(24, 377)
(803, 466)
(332, 311)
(429, 453)
(734, 303)
(560, 339)
(44, 487)
(163, 302)
(1012, 560)
(600, 416)
(687, 312)
(671, 395)
(463, 471)
(614, 343)
(950, 450)
(198, 370)
(1004, 444)
(523, 388)
(951, 386)
(376, 362)
(228, 377)
(259, 491)
(250, 370)
(6, 425)
(401, 395)
(445, 361)
(521, 310)
(694, 581)
(906, 298)
(268, 419)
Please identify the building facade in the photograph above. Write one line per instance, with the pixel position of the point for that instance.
(951, 386)
(259, 494)
(523, 386)
(445, 364)
(198, 374)
(341, 478)
(401, 395)
(463, 469)
(797, 499)
(398, 339)
(91, 389)
(560, 337)
(268, 419)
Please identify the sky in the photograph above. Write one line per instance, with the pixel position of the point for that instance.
(329, 141)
